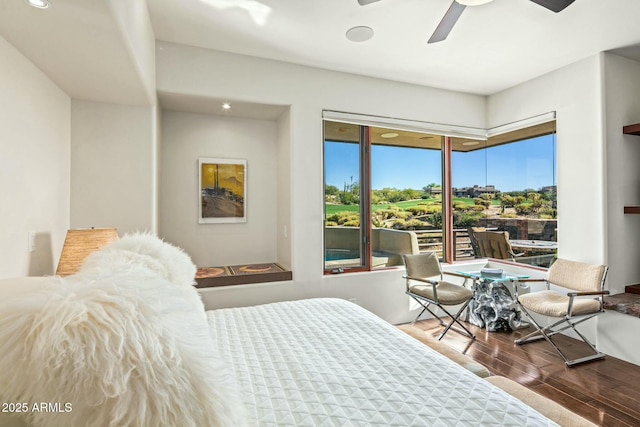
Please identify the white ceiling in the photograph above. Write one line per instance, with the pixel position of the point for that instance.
(491, 48)
(78, 43)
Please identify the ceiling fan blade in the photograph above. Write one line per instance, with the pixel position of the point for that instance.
(554, 5)
(366, 2)
(448, 21)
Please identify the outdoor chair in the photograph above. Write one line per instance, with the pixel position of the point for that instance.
(492, 244)
(496, 244)
(584, 301)
(425, 285)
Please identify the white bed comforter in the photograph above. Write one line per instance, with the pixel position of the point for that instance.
(328, 362)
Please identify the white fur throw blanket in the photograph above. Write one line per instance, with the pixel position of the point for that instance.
(123, 343)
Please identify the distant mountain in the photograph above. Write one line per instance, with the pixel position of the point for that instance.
(233, 184)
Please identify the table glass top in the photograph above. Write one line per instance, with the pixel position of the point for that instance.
(495, 275)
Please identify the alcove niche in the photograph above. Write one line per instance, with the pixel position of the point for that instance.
(193, 127)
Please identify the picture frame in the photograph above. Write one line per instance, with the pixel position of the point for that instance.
(222, 190)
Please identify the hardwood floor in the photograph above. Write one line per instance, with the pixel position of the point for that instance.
(606, 392)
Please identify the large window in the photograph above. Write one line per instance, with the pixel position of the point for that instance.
(390, 192)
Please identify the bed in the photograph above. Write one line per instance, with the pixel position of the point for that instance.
(329, 362)
(127, 342)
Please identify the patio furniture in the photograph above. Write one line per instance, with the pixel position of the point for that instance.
(492, 244)
(496, 244)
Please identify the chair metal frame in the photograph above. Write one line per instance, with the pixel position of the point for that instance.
(425, 302)
(571, 320)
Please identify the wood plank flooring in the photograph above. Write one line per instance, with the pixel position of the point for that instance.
(606, 392)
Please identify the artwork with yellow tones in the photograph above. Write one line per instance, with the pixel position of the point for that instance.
(223, 190)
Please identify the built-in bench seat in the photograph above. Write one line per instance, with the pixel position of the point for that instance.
(626, 303)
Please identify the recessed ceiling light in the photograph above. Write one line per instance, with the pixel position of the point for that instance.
(226, 106)
(471, 143)
(40, 4)
(389, 135)
(359, 34)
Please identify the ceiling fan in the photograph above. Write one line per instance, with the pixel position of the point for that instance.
(457, 7)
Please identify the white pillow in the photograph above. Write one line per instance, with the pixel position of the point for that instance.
(143, 249)
(123, 347)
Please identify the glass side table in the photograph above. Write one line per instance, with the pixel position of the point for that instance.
(493, 306)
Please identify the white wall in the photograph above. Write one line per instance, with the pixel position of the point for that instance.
(617, 333)
(185, 138)
(134, 23)
(575, 93)
(284, 185)
(597, 173)
(206, 73)
(622, 102)
(113, 174)
(34, 166)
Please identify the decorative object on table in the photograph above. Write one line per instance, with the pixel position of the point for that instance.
(493, 307)
(493, 304)
(80, 243)
(491, 272)
(584, 301)
(421, 286)
(222, 195)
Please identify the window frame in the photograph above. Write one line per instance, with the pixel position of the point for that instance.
(448, 132)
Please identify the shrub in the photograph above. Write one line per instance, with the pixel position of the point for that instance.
(403, 214)
(435, 219)
(330, 224)
(483, 201)
(399, 223)
(333, 217)
(418, 210)
(392, 212)
(459, 206)
(548, 212)
(345, 217)
(466, 219)
(414, 224)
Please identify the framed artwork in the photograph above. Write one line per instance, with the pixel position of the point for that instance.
(222, 190)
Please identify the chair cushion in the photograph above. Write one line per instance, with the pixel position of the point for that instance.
(554, 304)
(448, 293)
(575, 275)
(423, 265)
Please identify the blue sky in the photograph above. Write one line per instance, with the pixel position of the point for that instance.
(510, 167)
